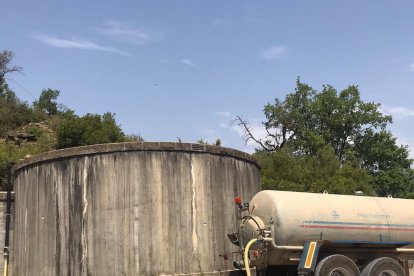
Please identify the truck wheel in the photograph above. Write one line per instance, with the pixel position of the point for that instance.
(336, 265)
(383, 267)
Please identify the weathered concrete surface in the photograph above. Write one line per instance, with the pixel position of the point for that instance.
(129, 209)
(3, 212)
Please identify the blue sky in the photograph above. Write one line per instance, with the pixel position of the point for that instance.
(185, 69)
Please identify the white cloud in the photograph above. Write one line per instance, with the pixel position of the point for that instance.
(223, 113)
(126, 32)
(74, 43)
(398, 111)
(274, 53)
(188, 62)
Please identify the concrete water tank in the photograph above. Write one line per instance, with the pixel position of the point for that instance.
(129, 209)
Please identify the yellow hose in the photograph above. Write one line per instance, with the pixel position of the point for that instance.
(5, 268)
(246, 256)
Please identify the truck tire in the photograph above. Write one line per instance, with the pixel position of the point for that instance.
(336, 265)
(383, 267)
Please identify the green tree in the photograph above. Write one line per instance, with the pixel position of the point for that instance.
(47, 101)
(202, 141)
(387, 162)
(205, 142)
(218, 142)
(308, 120)
(282, 170)
(395, 182)
(13, 112)
(379, 151)
(133, 138)
(308, 123)
(10, 151)
(90, 129)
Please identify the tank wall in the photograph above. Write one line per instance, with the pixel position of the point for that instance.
(129, 213)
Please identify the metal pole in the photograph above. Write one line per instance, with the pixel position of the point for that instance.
(8, 214)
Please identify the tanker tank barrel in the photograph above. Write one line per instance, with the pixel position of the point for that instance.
(311, 232)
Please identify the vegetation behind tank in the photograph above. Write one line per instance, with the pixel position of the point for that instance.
(317, 141)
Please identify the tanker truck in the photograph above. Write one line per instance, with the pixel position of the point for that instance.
(294, 233)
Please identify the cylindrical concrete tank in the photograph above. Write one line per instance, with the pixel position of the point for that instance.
(295, 217)
(129, 209)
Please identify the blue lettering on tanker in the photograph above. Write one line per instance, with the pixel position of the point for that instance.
(375, 216)
(335, 214)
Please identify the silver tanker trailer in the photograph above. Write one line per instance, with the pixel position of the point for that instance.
(324, 234)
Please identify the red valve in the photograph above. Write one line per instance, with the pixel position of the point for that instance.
(238, 200)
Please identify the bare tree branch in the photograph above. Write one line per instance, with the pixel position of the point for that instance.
(5, 66)
(248, 132)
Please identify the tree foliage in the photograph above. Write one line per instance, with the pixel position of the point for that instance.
(205, 142)
(90, 129)
(133, 138)
(307, 120)
(281, 170)
(309, 126)
(47, 101)
(12, 152)
(378, 151)
(13, 112)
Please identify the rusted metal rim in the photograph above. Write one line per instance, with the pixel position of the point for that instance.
(134, 146)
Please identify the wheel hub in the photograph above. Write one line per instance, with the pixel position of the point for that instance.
(388, 273)
(340, 271)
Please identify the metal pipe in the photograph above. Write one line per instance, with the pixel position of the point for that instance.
(409, 250)
(8, 214)
(283, 247)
